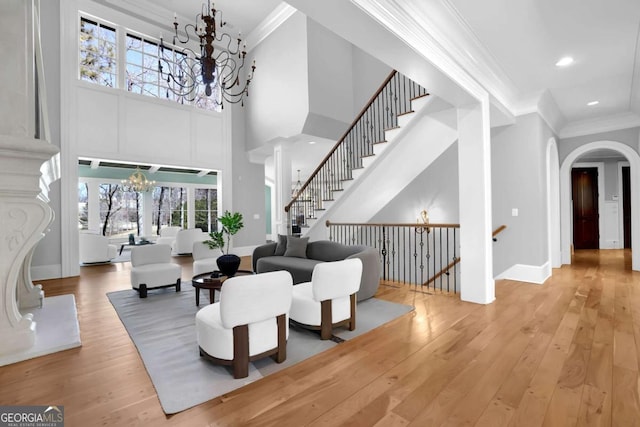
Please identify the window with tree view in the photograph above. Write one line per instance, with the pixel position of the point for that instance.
(98, 58)
(120, 211)
(206, 209)
(169, 207)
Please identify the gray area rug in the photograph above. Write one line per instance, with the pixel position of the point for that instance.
(162, 327)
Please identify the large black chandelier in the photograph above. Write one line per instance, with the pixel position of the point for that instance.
(219, 70)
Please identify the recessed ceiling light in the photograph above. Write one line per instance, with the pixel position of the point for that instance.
(312, 142)
(563, 62)
(592, 103)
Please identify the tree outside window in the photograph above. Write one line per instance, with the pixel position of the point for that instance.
(206, 209)
(98, 62)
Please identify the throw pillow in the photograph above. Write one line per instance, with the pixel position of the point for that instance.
(296, 247)
(281, 245)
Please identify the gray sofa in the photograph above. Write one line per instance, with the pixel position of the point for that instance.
(264, 260)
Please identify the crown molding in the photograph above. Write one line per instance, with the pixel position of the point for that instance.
(545, 106)
(600, 124)
(441, 26)
(415, 26)
(268, 25)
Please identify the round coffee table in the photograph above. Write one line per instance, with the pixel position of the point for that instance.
(213, 284)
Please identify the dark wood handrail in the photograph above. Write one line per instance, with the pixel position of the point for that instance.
(441, 272)
(498, 231)
(457, 260)
(335, 147)
(415, 224)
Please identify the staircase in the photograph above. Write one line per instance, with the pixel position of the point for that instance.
(400, 132)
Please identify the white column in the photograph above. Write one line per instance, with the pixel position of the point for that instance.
(474, 164)
(191, 207)
(282, 188)
(147, 215)
(93, 206)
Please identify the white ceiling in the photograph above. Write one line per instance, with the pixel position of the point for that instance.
(527, 37)
(520, 41)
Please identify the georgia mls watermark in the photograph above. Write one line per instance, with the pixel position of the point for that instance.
(31, 416)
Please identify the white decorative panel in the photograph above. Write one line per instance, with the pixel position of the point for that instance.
(97, 122)
(610, 233)
(153, 131)
(208, 140)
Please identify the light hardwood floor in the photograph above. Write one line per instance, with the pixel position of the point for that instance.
(560, 354)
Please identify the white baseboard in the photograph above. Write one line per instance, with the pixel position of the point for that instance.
(46, 272)
(527, 273)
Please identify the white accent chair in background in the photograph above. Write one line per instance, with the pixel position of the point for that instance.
(248, 323)
(329, 300)
(204, 259)
(151, 268)
(183, 243)
(168, 235)
(95, 248)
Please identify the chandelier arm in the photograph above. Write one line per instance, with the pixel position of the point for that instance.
(228, 48)
(217, 67)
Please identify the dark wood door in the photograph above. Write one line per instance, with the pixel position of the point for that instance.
(586, 233)
(626, 205)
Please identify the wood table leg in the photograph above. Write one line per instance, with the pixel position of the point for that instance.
(197, 296)
(211, 295)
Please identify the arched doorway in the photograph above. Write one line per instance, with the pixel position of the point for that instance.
(553, 204)
(565, 196)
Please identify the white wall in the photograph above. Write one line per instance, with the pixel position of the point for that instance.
(630, 137)
(248, 188)
(518, 157)
(435, 189)
(278, 100)
(330, 74)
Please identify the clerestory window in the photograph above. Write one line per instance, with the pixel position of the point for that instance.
(98, 53)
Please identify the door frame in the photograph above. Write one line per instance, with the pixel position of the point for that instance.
(622, 164)
(600, 167)
(565, 196)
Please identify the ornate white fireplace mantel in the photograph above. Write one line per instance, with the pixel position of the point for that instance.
(24, 217)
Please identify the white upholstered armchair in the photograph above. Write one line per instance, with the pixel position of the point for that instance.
(248, 323)
(329, 300)
(168, 235)
(204, 259)
(183, 243)
(95, 248)
(151, 267)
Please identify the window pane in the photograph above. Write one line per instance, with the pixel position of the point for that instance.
(134, 57)
(97, 53)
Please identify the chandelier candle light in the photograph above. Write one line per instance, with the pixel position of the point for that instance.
(139, 182)
(185, 71)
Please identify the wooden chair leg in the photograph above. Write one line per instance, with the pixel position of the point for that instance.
(281, 355)
(352, 320)
(142, 289)
(326, 320)
(178, 285)
(241, 351)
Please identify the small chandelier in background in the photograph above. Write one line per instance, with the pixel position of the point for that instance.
(138, 182)
(218, 70)
(297, 187)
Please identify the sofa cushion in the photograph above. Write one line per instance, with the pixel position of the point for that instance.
(296, 247)
(300, 268)
(281, 245)
(326, 250)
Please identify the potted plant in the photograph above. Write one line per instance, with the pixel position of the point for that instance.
(228, 264)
